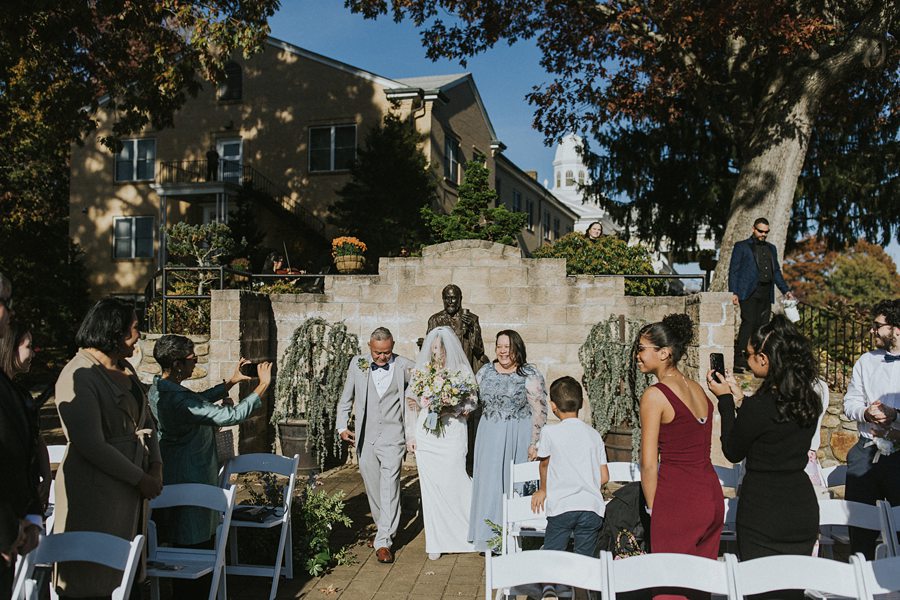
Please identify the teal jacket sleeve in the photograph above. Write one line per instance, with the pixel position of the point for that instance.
(195, 408)
(217, 392)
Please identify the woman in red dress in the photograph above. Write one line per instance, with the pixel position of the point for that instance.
(681, 488)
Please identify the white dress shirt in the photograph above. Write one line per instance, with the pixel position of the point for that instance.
(382, 378)
(873, 379)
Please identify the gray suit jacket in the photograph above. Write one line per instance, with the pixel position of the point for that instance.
(356, 388)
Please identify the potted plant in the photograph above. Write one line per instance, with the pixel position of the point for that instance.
(348, 254)
(311, 377)
(613, 387)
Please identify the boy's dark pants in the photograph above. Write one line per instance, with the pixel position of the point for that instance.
(583, 524)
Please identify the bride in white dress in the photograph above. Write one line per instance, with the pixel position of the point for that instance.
(441, 460)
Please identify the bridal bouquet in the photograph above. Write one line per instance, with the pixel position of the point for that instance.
(442, 391)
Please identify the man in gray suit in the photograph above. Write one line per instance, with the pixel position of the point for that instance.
(375, 387)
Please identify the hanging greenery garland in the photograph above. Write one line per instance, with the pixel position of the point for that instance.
(606, 357)
(311, 378)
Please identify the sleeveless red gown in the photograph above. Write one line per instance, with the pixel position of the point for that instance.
(688, 509)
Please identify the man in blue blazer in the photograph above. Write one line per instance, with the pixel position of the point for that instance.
(752, 276)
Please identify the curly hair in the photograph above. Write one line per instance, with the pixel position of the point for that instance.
(891, 311)
(792, 371)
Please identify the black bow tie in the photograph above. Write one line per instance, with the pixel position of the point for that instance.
(375, 367)
(889, 358)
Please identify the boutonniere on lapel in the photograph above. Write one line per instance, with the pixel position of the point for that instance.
(363, 364)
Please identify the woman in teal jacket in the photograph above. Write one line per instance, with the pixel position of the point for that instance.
(187, 424)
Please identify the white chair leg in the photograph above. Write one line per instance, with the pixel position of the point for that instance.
(289, 552)
(276, 568)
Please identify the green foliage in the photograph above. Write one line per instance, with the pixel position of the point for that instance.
(607, 361)
(390, 183)
(245, 233)
(606, 255)
(311, 377)
(185, 317)
(314, 514)
(473, 218)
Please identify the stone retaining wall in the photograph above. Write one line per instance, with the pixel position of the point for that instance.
(553, 313)
(839, 433)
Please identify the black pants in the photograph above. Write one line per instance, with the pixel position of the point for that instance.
(755, 311)
(868, 482)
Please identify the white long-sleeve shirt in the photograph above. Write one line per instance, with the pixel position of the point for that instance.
(873, 379)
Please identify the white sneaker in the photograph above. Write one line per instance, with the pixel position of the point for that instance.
(434, 555)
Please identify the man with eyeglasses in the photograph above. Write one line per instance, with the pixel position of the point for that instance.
(872, 400)
(20, 508)
(753, 275)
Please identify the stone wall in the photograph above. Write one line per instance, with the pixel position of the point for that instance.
(147, 367)
(553, 313)
(839, 433)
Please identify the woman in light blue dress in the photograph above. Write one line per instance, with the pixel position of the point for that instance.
(514, 402)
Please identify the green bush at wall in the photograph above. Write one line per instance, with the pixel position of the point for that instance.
(607, 255)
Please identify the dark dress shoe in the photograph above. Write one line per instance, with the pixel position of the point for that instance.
(384, 555)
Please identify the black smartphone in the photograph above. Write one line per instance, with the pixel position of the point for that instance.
(717, 364)
(250, 370)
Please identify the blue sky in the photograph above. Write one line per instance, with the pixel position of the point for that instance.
(503, 75)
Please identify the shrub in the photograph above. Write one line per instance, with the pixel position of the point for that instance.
(607, 255)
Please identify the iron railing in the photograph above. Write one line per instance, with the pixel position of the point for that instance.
(157, 295)
(230, 171)
(837, 341)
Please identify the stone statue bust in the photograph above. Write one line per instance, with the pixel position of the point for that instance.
(463, 322)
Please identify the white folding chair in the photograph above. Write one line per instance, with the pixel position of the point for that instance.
(522, 473)
(880, 577)
(729, 525)
(729, 477)
(624, 472)
(519, 521)
(835, 516)
(83, 546)
(793, 572)
(889, 529)
(525, 573)
(56, 452)
(666, 570)
(191, 563)
(274, 516)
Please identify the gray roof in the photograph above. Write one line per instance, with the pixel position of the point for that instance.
(433, 82)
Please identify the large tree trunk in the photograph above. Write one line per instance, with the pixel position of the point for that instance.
(765, 187)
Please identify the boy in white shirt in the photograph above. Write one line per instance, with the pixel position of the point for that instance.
(573, 468)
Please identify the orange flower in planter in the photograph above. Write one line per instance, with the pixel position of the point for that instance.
(347, 246)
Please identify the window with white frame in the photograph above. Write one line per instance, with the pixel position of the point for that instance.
(332, 148)
(232, 88)
(132, 237)
(136, 161)
(546, 224)
(452, 158)
(555, 228)
(529, 208)
(570, 179)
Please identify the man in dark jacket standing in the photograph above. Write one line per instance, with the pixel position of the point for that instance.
(20, 510)
(752, 276)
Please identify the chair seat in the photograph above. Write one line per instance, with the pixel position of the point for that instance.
(180, 564)
(272, 519)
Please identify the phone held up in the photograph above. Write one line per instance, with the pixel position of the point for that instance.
(717, 364)
(250, 370)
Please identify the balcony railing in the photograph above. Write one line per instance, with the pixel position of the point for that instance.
(230, 171)
(837, 341)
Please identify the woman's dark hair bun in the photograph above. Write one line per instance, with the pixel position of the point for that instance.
(681, 326)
